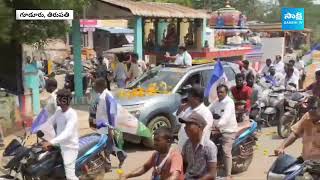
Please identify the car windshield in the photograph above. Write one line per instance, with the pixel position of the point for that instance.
(164, 78)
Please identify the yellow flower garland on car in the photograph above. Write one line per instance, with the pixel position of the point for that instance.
(152, 89)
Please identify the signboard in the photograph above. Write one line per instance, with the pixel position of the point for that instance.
(292, 19)
(87, 29)
(88, 23)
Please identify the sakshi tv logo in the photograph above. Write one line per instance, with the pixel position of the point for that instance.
(292, 19)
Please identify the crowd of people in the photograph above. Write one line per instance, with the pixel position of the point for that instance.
(195, 157)
(127, 69)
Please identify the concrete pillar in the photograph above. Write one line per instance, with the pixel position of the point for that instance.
(138, 37)
(76, 42)
(204, 26)
(90, 39)
(162, 26)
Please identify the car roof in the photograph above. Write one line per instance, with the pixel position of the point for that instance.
(185, 69)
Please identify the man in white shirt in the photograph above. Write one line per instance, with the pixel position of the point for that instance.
(51, 104)
(65, 123)
(279, 65)
(275, 78)
(195, 103)
(300, 66)
(51, 107)
(120, 74)
(225, 121)
(182, 58)
(265, 70)
(296, 71)
(291, 79)
(102, 115)
(135, 71)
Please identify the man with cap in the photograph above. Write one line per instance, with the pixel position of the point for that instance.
(195, 104)
(182, 58)
(315, 87)
(199, 154)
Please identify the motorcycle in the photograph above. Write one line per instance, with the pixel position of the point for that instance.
(287, 167)
(295, 106)
(35, 163)
(272, 105)
(242, 149)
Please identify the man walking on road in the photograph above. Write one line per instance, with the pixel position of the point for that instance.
(102, 115)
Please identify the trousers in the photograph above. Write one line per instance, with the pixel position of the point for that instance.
(227, 142)
(69, 157)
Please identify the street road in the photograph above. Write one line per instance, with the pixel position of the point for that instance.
(137, 154)
(268, 141)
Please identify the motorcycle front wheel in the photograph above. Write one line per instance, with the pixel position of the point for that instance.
(284, 125)
(241, 163)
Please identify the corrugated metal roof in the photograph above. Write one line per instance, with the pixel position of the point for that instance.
(156, 9)
(270, 27)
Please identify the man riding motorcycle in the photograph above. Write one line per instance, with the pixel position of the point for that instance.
(308, 128)
(225, 121)
(65, 122)
(273, 77)
(242, 94)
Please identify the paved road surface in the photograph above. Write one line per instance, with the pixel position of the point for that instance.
(137, 155)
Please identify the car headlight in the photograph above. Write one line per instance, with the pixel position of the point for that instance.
(136, 113)
(134, 109)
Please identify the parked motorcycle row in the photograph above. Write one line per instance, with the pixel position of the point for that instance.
(279, 107)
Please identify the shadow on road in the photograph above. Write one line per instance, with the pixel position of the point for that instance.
(131, 148)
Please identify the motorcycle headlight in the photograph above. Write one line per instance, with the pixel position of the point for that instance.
(42, 155)
(262, 104)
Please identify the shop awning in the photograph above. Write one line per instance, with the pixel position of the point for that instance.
(117, 30)
(270, 27)
(115, 9)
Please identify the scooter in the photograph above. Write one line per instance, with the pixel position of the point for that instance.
(287, 167)
(34, 162)
(242, 149)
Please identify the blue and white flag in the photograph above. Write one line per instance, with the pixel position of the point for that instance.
(218, 76)
(121, 119)
(40, 120)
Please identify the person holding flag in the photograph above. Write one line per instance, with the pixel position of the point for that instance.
(106, 113)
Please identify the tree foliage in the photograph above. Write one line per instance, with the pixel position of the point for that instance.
(34, 31)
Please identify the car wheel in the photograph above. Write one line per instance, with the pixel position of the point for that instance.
(154, 124)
